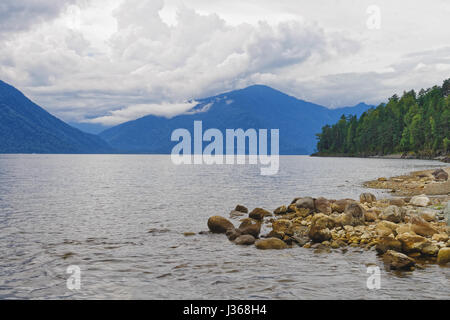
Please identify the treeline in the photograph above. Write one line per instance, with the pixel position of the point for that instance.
(414, 123)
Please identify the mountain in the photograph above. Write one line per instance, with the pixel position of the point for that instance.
(258, 107)
(27, 128)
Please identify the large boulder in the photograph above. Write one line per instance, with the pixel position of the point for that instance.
(397, 261)
(217, 224)
(420, 201)
(443, 256)
(367, 197)
(393, 214)
(322, 205)
(270, 243)
(305, 202)
(259, 214)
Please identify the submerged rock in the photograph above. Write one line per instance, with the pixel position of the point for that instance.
(217, 224)
(245, 240)
(270, 243)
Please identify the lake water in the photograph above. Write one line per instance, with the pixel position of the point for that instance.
(121, 219)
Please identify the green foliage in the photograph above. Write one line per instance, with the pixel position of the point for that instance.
(412, 123)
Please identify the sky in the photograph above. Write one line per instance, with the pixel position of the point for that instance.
(110, 61)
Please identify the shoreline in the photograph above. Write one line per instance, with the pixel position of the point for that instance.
(407, 232)
(397, 156)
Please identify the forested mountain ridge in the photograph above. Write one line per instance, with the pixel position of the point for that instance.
(414, 124)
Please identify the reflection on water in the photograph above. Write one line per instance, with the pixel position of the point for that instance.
(121, 219)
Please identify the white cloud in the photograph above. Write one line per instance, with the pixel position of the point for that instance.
(114, 60)
(132, 112)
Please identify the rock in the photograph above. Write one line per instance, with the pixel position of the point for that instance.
(188, 234)
(241, 208)
(320, 228)
(397, 202)
(440, 175)
(270, 243)
(234, 214)
(245, 240)
(300, 240)
(370, 216)
(282, 225)
(217, 224)
(388, 243)
(382, 231)
(440, 237)
(232, 234)
(420, 201)
(393, 214)
(382, 179)
(281, 210)
(428, 214)
(397, 261)
(388, 224)
(405, 228)
(251, 227)
(430, 250)
(292, 208)
(306, 202)
(259, 214)
(367, 197)
(322, 205)
(353, 215)
(447, 213)
(443, 256)
(340, 205)
(412, 242)
(421, 227)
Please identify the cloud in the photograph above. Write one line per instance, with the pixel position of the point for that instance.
(133, 112)
(117, 59)
(20, 15)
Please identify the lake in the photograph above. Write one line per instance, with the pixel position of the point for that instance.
(121, 219)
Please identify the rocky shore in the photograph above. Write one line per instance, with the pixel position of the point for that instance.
(407, 232)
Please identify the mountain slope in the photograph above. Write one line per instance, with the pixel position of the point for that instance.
(27, 128)
(258, 107)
